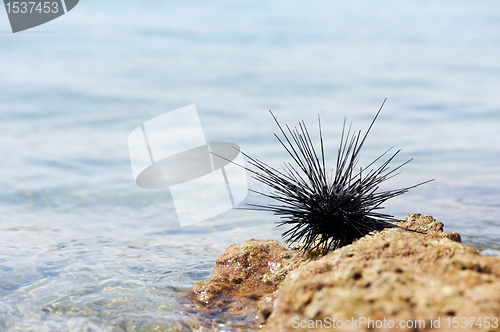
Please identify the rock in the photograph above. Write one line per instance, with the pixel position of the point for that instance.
(394, 275)
(245, 273)
(389, 276)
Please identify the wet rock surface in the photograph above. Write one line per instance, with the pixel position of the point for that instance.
(395, 275)
(243, 275)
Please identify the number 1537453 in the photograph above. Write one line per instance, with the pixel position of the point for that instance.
(32, 7)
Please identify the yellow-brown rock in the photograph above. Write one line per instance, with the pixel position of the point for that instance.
(244, 273)
(396, 275)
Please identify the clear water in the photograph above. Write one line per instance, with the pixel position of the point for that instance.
(83, 248)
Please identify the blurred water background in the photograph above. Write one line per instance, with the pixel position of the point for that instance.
(82, 248)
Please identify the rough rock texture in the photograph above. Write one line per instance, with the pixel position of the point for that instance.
(393, 275)
(244, 273)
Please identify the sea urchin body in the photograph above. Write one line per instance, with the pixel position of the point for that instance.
(326, 210)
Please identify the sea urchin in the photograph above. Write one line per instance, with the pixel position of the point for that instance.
(328, 210)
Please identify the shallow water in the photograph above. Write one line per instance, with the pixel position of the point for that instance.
(83, 248)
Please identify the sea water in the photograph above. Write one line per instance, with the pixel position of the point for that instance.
(82, 248)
